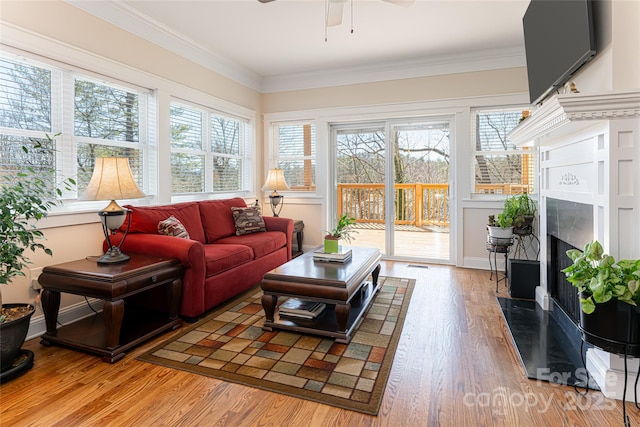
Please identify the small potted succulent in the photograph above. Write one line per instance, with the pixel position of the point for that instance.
(343, 230)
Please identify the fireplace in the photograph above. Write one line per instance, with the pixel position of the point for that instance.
(588, 148)
(569, 226)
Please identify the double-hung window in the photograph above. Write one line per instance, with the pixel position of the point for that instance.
(295, 152)
(108, 121)
(26, 114)
(86, 118)
(210, 152)
(499, 167)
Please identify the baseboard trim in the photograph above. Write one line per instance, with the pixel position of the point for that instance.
(66, 315)
(611, 378)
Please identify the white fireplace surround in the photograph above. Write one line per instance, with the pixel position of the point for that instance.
(588, 148)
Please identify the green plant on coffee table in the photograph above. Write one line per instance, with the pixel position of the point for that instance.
(344, 229)
(599, 278)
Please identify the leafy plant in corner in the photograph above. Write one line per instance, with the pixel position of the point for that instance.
(26, 196)
(599, 278)
(344, 229)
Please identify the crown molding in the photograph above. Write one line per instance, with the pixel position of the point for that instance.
(490, 59)
(576, 109)
(133, 21)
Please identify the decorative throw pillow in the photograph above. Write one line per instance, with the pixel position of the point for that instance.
(248, 220)
(172, 227)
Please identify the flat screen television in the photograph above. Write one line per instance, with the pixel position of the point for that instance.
(559, 39)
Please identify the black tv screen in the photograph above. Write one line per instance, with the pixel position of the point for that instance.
(558, 39)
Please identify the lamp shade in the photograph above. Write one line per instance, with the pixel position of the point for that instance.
(112, 180)
(275, 180)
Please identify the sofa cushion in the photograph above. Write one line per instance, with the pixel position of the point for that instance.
(260, 243)
(145, 219)
(173, 227)
(248, 220)
(219, 258)
(217, 220)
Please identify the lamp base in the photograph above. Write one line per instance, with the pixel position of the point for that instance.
(276, 204)
(113, 256)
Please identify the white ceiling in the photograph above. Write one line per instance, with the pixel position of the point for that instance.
(281, 45)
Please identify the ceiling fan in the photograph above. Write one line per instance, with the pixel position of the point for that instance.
(335, 9)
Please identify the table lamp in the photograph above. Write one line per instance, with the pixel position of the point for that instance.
(112, 179)
(275, 182)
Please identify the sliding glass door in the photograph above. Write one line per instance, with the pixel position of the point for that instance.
(393, 177)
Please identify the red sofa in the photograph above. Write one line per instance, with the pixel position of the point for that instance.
(218, 263)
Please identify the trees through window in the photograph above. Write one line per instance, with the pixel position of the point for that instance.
(499, 167)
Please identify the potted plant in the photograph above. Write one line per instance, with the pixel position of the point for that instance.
(609, 293)
(524, 210)
(500, 227)
(343, 230)
(517, 216)
(26, 196)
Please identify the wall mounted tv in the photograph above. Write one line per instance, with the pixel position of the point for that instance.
(559, 39)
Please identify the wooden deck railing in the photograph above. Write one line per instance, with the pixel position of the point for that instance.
(416, 204)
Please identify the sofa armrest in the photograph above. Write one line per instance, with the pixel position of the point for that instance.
(284, 225)
(189, 252)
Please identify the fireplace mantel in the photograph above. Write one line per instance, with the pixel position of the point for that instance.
(588, 152)
(567, 113)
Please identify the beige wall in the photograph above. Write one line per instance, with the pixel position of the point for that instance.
(463, 85)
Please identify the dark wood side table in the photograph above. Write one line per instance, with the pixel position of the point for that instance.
(298, 227)
(121, 324)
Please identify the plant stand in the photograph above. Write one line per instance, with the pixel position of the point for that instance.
(495, 246)
(525, 243)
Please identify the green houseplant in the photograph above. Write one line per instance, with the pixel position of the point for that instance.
(609, 293)
(517, 213)
(522, 209)
(344, 230)
(26, 196)
(599, 278)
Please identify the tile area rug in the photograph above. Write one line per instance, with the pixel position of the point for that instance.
(230, 345)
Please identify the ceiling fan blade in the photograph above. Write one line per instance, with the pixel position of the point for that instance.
(334, 15)
(405, 3)
(265, 1)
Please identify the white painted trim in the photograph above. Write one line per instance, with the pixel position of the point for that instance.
(431, 66)
(66, 315)
(610, 379)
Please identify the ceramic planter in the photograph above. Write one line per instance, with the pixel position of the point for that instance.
(12, 336)
(500, 233)
(331, 246)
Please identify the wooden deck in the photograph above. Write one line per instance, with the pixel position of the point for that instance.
(410, 241)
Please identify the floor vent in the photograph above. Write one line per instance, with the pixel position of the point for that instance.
(417, 266)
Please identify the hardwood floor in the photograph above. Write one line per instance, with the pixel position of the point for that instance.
(455, 366)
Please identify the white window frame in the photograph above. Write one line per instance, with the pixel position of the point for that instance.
(245, 147)
(62, 122)
(275, 158)
(517, 151)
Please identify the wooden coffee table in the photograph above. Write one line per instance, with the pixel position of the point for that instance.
(343, 287)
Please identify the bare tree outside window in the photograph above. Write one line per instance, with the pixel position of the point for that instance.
(499, 166)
